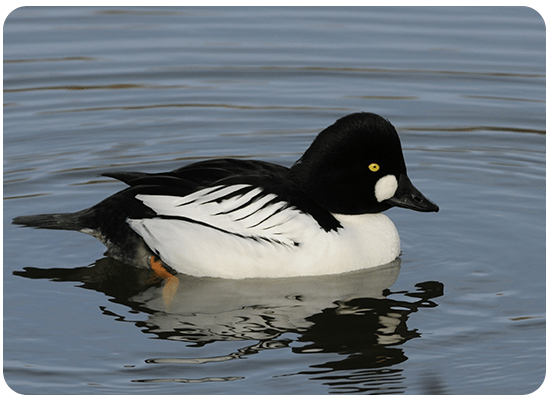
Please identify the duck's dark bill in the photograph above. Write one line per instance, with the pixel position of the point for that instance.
(407, 196)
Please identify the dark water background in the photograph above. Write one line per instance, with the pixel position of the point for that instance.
(91, 90)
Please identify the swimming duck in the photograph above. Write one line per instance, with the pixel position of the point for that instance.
(232, 218)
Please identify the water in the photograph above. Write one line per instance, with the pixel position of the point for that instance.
(91, 90)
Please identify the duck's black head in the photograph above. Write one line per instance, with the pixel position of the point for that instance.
(356, 166)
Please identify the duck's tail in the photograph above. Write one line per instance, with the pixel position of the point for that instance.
(67, 221)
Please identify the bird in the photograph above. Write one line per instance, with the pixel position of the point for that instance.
(238, 218)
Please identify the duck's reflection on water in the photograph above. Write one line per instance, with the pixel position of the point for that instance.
(351, 315)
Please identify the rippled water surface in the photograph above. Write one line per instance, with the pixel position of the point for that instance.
(92, 90)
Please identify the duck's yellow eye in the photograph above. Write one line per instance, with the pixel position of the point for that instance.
(374, 167)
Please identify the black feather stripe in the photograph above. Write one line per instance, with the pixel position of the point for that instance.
(250, 237)
(236, 193)
(284, 207)
(255, 198)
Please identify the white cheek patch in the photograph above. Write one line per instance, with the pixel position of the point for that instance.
(385, 187)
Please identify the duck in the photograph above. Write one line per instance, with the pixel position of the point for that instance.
(238, 218)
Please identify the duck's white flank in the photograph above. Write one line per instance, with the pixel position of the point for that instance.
(254, 235)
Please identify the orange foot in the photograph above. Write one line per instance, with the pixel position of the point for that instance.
(172, 282)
